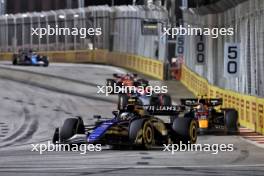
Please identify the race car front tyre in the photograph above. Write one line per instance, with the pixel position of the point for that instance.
(71, 126)
(185, 130)
(110, 83)
(141, 133)
(122, 101)
(231, 121)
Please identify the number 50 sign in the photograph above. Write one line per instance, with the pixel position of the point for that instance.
(231, 59)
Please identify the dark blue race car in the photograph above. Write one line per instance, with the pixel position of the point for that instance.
(135, 126)
(28, 57)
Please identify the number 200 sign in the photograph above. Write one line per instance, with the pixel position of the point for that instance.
(231, 59)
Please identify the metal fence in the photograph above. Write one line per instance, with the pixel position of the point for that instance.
(2, 7)
(247, 19)
(121, 30)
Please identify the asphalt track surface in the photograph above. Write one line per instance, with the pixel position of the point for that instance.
(35, 100)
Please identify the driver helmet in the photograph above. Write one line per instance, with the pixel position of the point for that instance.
(202, 105)
(124, 116)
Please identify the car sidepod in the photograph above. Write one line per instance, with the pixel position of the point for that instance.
(110, 132)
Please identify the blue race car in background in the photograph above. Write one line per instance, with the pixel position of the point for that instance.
(28, 57)
(135, 126)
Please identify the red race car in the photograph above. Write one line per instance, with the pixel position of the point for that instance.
(123, 81)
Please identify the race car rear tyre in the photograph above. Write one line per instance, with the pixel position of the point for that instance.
(185, 130)
(165, 100)
(122, 101)
(46, 64)
(160, 100)
(71, 126)
(46, 61)
(110, 83)
(15, 61)
(231, 121)
(154, 100)
(141, 133)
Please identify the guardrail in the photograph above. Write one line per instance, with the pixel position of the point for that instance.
(250, 108)
(6, 56)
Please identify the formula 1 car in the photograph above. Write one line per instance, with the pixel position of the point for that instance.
(145, 95)
(136, 126)
(28, 57)
(209, 118)
(123, 80)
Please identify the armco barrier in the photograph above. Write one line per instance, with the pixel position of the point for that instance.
(6, 56)
(141, 64)
(250, 108)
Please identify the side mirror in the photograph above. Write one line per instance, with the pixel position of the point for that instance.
(115, 75)
(97, 117)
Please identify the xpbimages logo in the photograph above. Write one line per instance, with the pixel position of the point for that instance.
(50, 147)
(81, 32)
(147, 91)
(188, 30)
(211, 148)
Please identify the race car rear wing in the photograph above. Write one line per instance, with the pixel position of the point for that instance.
(164, 110)
(191, 102)
(215, 101)
(117, 75)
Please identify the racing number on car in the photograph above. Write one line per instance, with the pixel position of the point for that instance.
(231, 59)
(200, 49)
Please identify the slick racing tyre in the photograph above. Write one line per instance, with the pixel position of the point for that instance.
(46, 61)
(231, 121)
(141, 133)
(71, 126)
(165, 100)
(122, 101)
(110, 83)
(185, 130)
(148, 135)
(14, 60)
(160, 100)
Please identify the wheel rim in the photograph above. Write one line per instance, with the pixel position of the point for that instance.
(148, 135)
(193, 132)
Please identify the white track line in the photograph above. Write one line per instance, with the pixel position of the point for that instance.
(130, 167)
